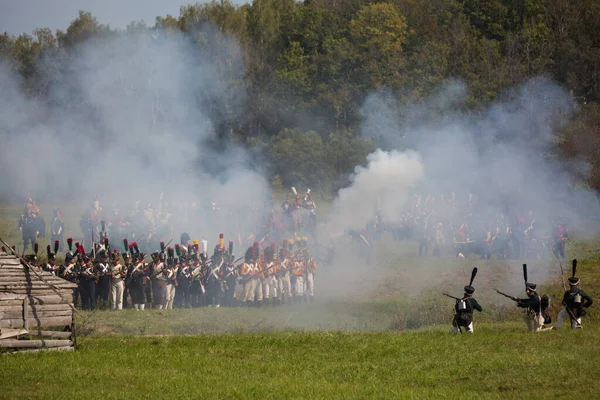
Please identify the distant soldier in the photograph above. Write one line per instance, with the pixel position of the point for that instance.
(103, 285)
(297, 270)
(171, 275)
(87, 283)
(28, 229)
(50, 266)
(283, 273)
(58, 228)
(249, 274)
(117, 284)
(559, 237)
(136, 282)
(576, 301)
(159, 280)
(310, 268)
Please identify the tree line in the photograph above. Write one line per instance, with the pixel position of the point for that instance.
(308, 67)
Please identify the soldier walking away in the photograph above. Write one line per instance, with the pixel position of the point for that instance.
(464, 308)
(575, 300)
(559, 236)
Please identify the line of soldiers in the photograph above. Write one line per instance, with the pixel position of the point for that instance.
(575, 303)
(185, 276)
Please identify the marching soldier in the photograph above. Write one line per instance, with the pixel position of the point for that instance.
(103, 285)
(158, 278)
(576, 301)
(231, 277)
(214, 286)
(87, 283)
(270, 270)
(171, 278)
(136, 282)
(127, 267)
(249, 274)
(310, 267)
(117, 284)
(297, 274)
(184, 280)
(283, 274)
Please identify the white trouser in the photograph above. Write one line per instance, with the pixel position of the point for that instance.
(258, 289)
(534, 321)
(299, 286)
(468, 328)
(270, 287)
(285, 285)
(310, 284)
(575, 323)
(116, 293)
(139, 306)
(169, 296)
(249, 289)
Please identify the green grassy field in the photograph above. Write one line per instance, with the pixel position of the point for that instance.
(497, 362)
(387, 337)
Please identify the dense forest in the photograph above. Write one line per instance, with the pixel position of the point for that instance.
(309, 66)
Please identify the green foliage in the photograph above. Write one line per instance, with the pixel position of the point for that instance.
(309, 65)
(301, 157)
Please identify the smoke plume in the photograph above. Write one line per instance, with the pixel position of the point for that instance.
(132, 118)
(500, 157)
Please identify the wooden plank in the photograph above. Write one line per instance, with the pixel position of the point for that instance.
(8, 333)
(10, 303)
(33, 284)
(25, 315)
(45, 322)
(41, 299)
(36, 307)
(66, 348)
(33, 292)
(36, 314)
(15, 343)
(11, 323)
(53, 334)
(11, 296)
(67, 298)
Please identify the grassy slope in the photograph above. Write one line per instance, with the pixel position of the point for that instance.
(501, 360)
(498, 362)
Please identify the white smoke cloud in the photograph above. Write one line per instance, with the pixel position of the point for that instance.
(382, 186)
(134, 116)
(501, 154)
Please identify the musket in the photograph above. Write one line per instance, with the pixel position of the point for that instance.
(562, 274)
(506, 295)
(452, 297)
